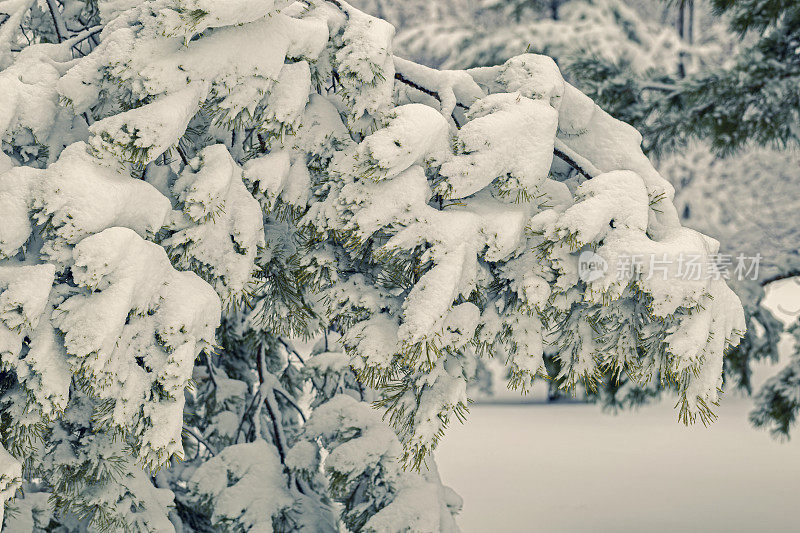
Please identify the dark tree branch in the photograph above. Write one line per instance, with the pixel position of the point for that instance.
(291, 402)
(201, 440)
(183, 155)
(58, 21)
(779, 277)
(269, 399)
(82, 36)
(256, 399)
(571, 162)
(211, 369)
(291, 350)
(402, 79)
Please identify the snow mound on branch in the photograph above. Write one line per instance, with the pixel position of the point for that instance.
(10, 476)
(144, 133)
(507, 134)
(244, 485)
(533, 76)
(216, 13)
(30, 100)
(359, 441)
(221, 227)
(78, 196)
(24, 313)
(137, 326)
(74, 197)
(15, 204)
(414, 133)
(268, 173)
(365, 66)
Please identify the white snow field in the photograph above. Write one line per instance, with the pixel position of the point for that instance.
(572, 468)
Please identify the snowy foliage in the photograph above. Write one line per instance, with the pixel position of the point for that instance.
(639, 61)
(756, 219)
(188, 183)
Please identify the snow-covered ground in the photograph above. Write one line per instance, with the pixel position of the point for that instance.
(571, 467)
(563, 468)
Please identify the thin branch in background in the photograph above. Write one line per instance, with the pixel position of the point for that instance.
(659, 86)
(211, 370)
(269, 403)
(82, 36)
(779, 277)
(291, 350)
(256, 399)
(58, 20)
(200, 439)
(291, 402)
(183, 155)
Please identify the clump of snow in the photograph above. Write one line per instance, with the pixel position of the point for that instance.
(78, 196)
(10, 476)
(365, 66)
(137, 324)
(144, 133)
(533, 76)
(414, 133)
(507, 134)
(24, 320)
(221, 227)
(242, 485)
(358, 442)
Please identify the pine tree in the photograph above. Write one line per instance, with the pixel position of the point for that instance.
(193, 185)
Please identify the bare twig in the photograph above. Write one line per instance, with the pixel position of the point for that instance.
(568, 160)
(58, 21)
(200, 439)
(779, 277)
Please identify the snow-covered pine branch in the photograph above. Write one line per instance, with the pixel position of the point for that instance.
(422, 226)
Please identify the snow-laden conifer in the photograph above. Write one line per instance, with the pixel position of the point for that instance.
(190, 184)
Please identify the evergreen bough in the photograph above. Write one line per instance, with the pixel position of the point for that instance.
(189, 185)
